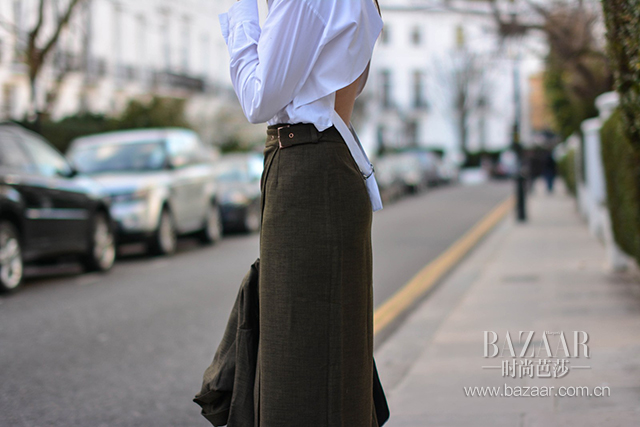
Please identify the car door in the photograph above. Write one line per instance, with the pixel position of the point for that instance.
(202, 179)
(187, 186)
(64, 208)
(18, 186)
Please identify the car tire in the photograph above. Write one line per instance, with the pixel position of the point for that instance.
(11, 262)
(102, 249)
(252, 218)
(212, 231)
(165, 239)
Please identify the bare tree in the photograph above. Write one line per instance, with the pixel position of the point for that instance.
(466, 79)
(38, 44)
(577, 53)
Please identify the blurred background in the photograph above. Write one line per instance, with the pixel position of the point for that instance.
(122, 144)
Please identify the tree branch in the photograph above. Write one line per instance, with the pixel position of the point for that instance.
(62, 23)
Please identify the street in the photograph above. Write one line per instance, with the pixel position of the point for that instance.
(129, 348)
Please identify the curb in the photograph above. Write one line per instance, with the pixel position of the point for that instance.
(438, 268)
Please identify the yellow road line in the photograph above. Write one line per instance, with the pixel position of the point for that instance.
(430, 274)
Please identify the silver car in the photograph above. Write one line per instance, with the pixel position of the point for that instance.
(160, 182)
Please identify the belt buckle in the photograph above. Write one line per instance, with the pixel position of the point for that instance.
(280, 139)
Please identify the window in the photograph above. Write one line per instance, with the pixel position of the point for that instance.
(412, 133)
(135, 156)
(419, 101)
(385, 87)
(142, 44)
(416, 36)
(47, 160)
(380, 140)
(117, 42)
(8, 99)
(460, 37)
(19, 29)
(186, 44)
(206, 54)
(165, 36)
(12, 156)
(385, 37)
(183, 149)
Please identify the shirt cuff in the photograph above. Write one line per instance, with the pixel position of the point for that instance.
(243, 11)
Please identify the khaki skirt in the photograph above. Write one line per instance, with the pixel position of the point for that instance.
(315, 358)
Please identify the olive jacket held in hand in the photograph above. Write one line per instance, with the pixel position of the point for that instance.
(227, 394)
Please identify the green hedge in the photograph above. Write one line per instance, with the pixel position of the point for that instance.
(159, 112)
(62, 132)
(622, 170)
(567, 170)
(623, 33)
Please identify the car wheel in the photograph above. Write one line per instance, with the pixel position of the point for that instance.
(252, 219)
(165, 239)
(102, 252)
(11, 264)
(212, 231)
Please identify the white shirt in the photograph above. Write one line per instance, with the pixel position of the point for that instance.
(289, 71)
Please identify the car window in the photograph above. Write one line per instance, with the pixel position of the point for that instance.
(46, 158)
(183, 149)
(256, 165)
(119, 157)
(12, 156)
(238, 169)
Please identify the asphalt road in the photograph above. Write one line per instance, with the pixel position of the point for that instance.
(129, 348)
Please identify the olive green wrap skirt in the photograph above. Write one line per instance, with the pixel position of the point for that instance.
(315, 357)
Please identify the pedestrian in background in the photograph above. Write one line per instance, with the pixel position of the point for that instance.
(549, 171)
(301, 73)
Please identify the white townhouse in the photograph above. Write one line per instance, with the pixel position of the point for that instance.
(431, 52)
(114, 50)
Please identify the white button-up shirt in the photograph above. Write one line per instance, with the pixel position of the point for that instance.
(289, 71)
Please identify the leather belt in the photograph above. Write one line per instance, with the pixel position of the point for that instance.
(289, 135)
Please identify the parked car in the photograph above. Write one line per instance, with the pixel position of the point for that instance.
(429, 164)
(448, 170)
(238, 176)
(160, 182)
(410, 170)
(389, 178)
(47, 210)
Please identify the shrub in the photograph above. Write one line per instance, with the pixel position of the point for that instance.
(622, 171)
(623, 34)
(159, 112)
(62, 132)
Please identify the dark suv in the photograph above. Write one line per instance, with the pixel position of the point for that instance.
(47, 210)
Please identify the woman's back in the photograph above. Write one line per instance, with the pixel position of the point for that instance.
(346, 97)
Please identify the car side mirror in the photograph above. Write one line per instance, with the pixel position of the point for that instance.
(70, 172)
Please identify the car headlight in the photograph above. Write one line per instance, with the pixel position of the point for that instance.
(136, 196)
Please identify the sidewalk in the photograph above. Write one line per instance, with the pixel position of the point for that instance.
(546, 275)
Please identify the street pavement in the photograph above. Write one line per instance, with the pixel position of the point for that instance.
(548, 274)
(129, 348)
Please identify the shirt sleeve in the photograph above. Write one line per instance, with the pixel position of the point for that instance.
(269, 65)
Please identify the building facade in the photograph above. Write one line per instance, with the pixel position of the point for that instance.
(112, 51)
(441, 77)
